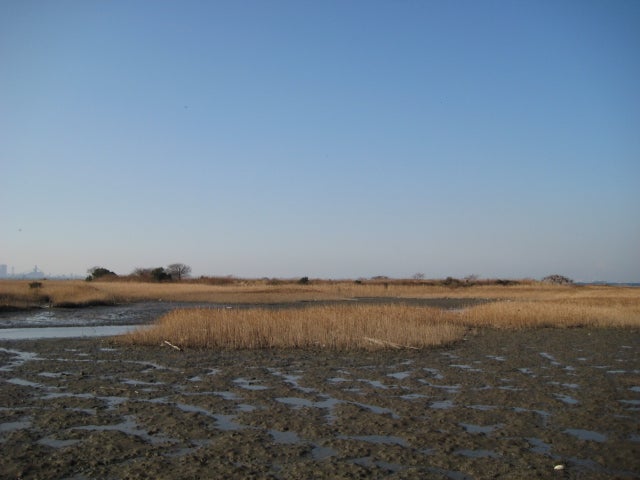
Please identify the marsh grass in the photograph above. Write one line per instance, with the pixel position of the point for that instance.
(373, 326)
(19, 294)
(520, 305)
(565, 313)
(395, 325)
(339, 327)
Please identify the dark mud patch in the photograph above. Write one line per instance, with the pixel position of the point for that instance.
(493, 406)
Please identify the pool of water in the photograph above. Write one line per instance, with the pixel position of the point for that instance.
(85, 322)
(64, 332)
(129, 314)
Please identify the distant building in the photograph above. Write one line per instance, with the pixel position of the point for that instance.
(36, 274)
(3, 271)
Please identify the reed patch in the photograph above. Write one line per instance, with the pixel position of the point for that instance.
(339, 327)
(387, 325)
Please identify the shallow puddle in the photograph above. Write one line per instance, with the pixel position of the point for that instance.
(374, 383)
(56, 443)
(20, 358)
(482, 408)
(465, 367)
(13, 426)
(413, 396)
(479, 429)
(322, 453)
(538, 446)
(566, 399)
(588, 435)
(26, 383)
(442, 405)
(399, 375)
(284, 437)
(551, 358)
(64, 332)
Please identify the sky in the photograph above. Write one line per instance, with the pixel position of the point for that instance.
(329, 139)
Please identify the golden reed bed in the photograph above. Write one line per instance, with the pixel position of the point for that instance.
(522, 305)
(18, 293)
(325, 326)
(367, 326)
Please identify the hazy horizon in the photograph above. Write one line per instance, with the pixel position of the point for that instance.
(322, 139)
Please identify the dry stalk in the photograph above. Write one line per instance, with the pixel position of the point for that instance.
(172, 345)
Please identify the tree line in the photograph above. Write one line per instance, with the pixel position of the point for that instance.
(174, 271)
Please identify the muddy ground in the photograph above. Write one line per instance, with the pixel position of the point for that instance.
(500, 404)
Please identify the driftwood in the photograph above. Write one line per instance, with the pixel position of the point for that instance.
(172, 345)
(386, 343)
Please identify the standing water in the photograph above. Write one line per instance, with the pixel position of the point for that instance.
(84, 322)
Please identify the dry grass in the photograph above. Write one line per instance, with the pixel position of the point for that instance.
(523, 305)
(589, 312)
(339, 327)
(374, 326)
(19, 294)
(58, 292)
(385, 326)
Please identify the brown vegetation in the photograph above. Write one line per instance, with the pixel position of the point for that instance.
(522, 304)
(322, 326)
(383, 325)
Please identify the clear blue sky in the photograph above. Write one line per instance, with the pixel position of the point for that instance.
(333, 139)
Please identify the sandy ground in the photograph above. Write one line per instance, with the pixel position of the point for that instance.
(498, 405)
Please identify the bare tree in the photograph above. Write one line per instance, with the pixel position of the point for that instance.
(142, 273)
(179, 270)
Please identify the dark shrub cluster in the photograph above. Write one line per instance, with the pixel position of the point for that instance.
(557, 280)
(96, 273)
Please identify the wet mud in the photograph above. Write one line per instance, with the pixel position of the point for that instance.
(500, 404)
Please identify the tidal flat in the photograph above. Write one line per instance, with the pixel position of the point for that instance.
(498, 404)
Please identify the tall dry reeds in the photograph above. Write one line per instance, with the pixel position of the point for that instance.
(554, 313)
(521, 305)
(390, 325)
(328, 326)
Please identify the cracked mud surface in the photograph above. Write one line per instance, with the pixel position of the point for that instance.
(501, 404)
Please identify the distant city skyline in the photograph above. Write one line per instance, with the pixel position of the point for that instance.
(325, 139)
(35, 273)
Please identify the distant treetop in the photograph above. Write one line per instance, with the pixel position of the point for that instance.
(557, 280)
(99, 272)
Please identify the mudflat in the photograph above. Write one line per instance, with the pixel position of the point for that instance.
(538, 403)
